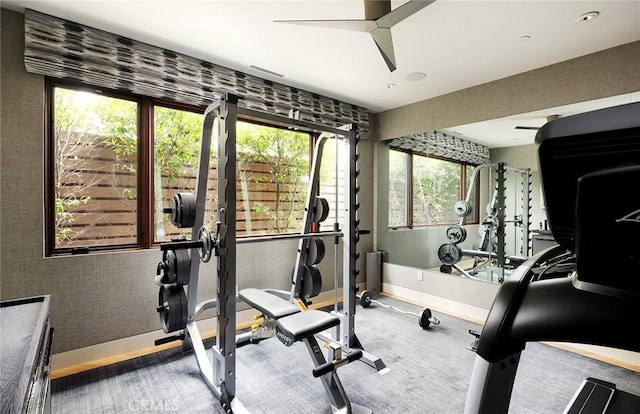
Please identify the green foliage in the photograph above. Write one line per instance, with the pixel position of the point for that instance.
(436, 188)
(286, 155)
(177, 142)
(64, 218)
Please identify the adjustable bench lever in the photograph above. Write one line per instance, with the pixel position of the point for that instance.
(327, 367)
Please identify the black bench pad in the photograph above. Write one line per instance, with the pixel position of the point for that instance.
(303, 325)
(270, 305)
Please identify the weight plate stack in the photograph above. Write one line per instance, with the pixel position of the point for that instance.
(172, 308)
(311, 282)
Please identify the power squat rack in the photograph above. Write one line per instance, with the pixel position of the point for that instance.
(286, 311)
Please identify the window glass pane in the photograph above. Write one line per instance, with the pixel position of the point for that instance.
(473, 217)
(95, 146)
(436, 188)
(176, 148)
(334, 157)
(273, 175)
(398, 183)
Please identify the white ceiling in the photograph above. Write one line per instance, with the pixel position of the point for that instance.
(457, 44)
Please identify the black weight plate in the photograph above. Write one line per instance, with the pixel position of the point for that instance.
(172, 308)
(183, 210)
(183, 267)
(169, 257)
(205, 250)
(315, 252)
(320, 210)
(449, 253)
(311, 282)
(424, 321)
(189, 213)
(365, 299)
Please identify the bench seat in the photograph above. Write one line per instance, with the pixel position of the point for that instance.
(270, 305)
(303, 325)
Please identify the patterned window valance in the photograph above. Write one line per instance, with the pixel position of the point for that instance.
(66, 50)
(443, 145)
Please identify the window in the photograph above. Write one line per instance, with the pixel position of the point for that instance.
(112, 157)
(94, 164)
(273, 175)
(398, 188)
(423, 190)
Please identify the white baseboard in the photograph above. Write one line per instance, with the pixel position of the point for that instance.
(438, 304)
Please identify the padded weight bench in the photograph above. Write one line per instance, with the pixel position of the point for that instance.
(293, 325)
(267, 303)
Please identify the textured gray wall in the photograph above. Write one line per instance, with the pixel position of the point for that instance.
(606, 73)
(100, 297)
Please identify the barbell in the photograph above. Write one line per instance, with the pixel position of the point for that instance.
(425, 318)
(206, 243)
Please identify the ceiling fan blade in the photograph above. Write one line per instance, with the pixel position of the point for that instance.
(399, 14)
(527, 127)
(382, 37)
(353, 25)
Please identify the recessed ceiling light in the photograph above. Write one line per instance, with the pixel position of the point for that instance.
(390, 85)
(588, 16)
(415, 76)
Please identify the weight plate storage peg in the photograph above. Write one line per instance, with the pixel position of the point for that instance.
(456, 234)
(172, 308)
(490, 223)
(311, 281)
(462, 208)
(315, 252)
(450, 253)
(320, 210)
(182, 210)
(174, 269)
(207, 243)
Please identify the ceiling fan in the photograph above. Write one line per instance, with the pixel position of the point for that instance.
(378, 21)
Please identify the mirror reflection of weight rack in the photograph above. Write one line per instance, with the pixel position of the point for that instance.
(489, 258)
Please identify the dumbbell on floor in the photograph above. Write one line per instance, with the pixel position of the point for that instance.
(425, 318)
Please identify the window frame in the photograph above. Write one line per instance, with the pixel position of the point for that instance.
(145, 159)
(410, 193)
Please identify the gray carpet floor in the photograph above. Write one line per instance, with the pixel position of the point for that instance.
(429, 373)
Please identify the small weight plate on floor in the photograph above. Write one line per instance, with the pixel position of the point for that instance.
(365, 299)
(424, 321)
(172, 308)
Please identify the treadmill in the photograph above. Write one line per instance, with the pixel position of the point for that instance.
(586, 289)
